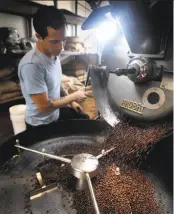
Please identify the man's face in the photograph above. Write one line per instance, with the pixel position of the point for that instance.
(53, 43)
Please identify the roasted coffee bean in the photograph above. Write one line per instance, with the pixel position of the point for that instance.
(134, 141)
(129, 191)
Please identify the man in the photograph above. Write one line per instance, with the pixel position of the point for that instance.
(40, 73)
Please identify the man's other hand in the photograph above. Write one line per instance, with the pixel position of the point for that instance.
(76, 107)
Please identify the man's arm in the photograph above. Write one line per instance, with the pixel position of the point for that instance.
(33, 77)
(44, 104)
(76, 106)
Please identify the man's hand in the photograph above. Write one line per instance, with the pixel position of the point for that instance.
(44, 104)
(79, 96)
(76, 106)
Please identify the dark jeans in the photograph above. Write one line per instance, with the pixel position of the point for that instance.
(66, 113)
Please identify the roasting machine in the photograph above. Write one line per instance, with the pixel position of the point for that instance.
(134, 81)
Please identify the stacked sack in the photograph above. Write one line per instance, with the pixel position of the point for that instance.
(9, 90)
(73, 79)
(75, 69)
(10, 42)
(71, 84)
(74, 44)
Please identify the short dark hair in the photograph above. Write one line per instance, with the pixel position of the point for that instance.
(48, 16)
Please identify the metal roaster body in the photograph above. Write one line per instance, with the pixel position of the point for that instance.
(134, 80)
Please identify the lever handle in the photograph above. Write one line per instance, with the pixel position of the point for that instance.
(124, 71)
(87, 78)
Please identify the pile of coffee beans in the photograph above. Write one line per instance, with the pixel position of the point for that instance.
(77, 148)
(128, 191)
(134, 141)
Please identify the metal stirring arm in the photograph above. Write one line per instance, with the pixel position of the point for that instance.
(66, 160)
(104, 153)
(92, 194)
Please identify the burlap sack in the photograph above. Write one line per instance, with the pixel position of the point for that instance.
(7, 96)
(74, 44)
(82, 78)
(11, 99)
(75, 47)
(72, 39)
(8, 86)
(75, 68)
(74, 73)
(70, 47)
(5, 72)
(71, 84)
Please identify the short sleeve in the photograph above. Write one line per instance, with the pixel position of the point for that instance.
(33, 77)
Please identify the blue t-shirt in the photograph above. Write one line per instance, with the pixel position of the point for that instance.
(39, 74)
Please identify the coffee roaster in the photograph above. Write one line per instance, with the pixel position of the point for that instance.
(41, 169)
(135, 78)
